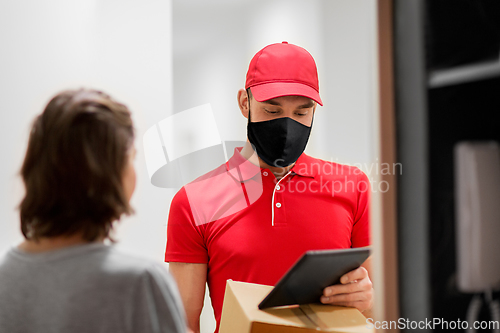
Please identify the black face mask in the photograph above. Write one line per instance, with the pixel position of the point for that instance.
(278, 142)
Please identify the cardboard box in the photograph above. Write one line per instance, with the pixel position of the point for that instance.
(240, 314)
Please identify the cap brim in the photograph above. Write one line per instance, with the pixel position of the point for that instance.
(267, 91)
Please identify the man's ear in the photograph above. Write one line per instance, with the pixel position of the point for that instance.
(243, 102)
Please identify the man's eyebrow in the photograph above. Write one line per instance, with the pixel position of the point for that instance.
(272, 102)
(308, 105)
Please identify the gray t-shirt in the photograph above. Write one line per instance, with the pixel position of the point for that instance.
(86, 288)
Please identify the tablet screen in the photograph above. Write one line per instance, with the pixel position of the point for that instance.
(312, 273)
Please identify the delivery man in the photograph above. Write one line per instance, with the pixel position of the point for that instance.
(250, 219)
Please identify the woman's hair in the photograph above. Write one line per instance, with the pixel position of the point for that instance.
(77, 152)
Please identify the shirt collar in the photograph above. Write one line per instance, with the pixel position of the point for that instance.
(242, 169)
(305, 166)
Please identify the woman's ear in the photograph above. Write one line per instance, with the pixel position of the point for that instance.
(243, 102)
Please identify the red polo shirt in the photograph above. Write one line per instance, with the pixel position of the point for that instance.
(248, 227)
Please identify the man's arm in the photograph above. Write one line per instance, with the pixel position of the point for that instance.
(355, 290)
(191, 280)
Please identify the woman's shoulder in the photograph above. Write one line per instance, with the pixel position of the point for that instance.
(115, 260)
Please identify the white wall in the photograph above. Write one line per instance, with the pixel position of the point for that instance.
(214, 41)
(121, 47)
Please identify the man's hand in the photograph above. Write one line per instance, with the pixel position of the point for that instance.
(355, 290)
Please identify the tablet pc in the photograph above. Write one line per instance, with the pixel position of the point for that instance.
(311, 274)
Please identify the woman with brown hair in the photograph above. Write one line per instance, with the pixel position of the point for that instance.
(79, 177)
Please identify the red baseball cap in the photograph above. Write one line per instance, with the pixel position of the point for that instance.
(283, 69)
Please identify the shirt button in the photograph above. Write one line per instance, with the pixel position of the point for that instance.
(278, 204)
(265, 173)
(278, 187)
